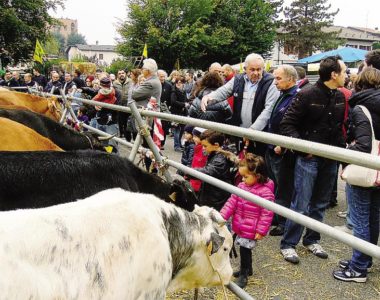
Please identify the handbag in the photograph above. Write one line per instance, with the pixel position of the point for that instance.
(362, 176)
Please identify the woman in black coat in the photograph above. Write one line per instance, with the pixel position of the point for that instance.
(178, 107)
(363, 203)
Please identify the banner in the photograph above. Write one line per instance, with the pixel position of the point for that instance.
(38, 52)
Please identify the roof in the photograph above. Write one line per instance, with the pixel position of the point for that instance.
(353, 33)
(348, 54)
(369, 30)
(103, 48)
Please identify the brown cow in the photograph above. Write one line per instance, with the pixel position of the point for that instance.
(15, 100)
(17, 137)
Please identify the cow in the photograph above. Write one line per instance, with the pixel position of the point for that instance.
(66, 138)
(40, 179)
(112, 245)
(17, 137)
(49, 107)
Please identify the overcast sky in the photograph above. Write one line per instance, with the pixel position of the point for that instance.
(97, 19)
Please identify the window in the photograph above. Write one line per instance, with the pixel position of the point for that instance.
(101, 56)
(368, 48)
(72, 27)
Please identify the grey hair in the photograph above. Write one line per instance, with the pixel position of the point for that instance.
(151, 65)
(252, 57)
(227, 67)
(290, 72)
(163, 72)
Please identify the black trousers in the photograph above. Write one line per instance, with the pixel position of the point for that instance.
(245, 260)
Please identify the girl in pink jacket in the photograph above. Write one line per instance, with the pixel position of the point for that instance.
(250, 222)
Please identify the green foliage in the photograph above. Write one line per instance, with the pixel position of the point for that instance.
(119, 64)
(198, 32)
(80, 58)
(76, 38)
(304, 21)
(21, 23)
(376, 45)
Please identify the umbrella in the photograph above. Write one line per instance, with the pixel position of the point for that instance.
(348, 54)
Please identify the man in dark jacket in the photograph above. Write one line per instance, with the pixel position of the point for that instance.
(280, 162)
(254, 96)
(54, 85)
(316, 114)
(9, 81)
(165, 100)
(40, 79)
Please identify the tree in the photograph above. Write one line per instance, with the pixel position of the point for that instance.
(305, 27)
(197, 32)
(21, 23)
(376, 46)
(119, 64)
(76, 38)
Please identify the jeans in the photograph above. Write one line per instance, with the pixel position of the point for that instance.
(364, 206)
(178, 132)
(313, 183)
(281, 171)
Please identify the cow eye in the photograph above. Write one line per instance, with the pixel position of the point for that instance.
(225, 249)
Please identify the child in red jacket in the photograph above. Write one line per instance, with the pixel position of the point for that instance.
(199, 157)
(250, 221)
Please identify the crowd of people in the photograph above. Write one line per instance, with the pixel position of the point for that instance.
(280, 102)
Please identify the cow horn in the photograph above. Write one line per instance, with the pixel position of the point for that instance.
(173, 196)
(106, 138)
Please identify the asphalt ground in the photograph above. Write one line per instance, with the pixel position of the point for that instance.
(274, 278)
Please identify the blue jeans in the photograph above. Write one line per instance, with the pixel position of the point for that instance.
(281, 171)
(364, 206)
(313, 184)
(178, 132)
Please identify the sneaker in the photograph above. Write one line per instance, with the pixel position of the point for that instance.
(344, 228)
(349, 275)
(342, 214)
(277, 231)
(344, 263)
(317, 250)
(290, 255)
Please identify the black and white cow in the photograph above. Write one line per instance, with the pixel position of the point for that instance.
(41, 179)
(66, 138)
(112, 245)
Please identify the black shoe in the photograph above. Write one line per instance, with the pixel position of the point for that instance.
(344, 263)
(333, 203)
(236, 274)
(277, 231)
(242, 281)
(350, 276)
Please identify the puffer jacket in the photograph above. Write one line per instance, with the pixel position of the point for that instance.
(248, 218)
(199, 161)
(359, 129)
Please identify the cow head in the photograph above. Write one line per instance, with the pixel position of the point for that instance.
(182, 194)
(54, 108)
(210, 258)
(97, 141)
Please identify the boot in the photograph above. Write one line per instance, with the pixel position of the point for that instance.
(242, 281)
(236, 274)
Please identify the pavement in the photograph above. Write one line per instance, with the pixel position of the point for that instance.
(274, 278)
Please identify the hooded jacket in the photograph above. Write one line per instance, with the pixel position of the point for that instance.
(359, 128)
(248, 218)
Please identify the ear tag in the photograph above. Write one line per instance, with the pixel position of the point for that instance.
(172, 196)
(108, 149)
(209, 248)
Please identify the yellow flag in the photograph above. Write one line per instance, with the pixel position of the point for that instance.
(241, 71)
(38, 52)
(268, 65)
(145, 51)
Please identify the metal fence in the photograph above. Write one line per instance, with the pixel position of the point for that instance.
(335, 153)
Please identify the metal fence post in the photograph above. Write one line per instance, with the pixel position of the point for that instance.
(144, 130)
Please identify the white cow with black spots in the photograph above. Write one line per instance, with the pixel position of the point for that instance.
(112, 245)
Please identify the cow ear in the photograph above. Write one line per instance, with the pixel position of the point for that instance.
(173, 196)
(213, 245)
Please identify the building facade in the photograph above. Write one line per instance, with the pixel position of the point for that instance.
(67, 27)
(99, 54)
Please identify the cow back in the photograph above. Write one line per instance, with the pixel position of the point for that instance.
(49, 107)
(17, 137)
